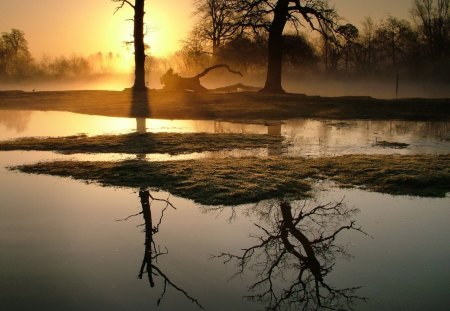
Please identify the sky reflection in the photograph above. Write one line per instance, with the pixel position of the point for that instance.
(303, 137)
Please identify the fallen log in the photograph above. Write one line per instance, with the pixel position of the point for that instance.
(173, 82)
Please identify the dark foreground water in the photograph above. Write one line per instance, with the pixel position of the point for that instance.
(62, 247)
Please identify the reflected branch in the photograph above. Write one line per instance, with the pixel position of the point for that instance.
(218, 210)
(294, 254)
(131, 216)
(167, 281)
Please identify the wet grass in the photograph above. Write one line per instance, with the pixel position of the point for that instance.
(134, 143)
(390, 144)
(230, 106)
(249, 180)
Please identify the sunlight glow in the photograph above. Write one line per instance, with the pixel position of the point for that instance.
(160, 36)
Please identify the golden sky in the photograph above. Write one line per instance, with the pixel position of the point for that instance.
(82, 27)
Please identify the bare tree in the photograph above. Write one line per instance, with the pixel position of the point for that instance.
(15, 58)
(297, 249)
(138, 35)
(193, 56)
(217, 22)
(433, 20)
(15, 42)
(394, 40)
(273, 15)
(349, 34)
(367, 42)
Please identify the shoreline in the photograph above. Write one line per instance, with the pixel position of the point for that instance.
(236, 106)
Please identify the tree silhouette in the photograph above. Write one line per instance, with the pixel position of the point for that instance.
(395, 39)
(367, 43)
(217, 22)
(15, 57)
(433, 20)
(294, 254)
(349, 34)
(273, 15)
(139, 46)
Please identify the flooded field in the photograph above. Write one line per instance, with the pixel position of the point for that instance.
(69, 245)
(302, 137)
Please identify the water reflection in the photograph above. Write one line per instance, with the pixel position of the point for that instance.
(324, 138)
(153, 251)
(15, 120)
(141, 125)
(303, 137)
(295, 251)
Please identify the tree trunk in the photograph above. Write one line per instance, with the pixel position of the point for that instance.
(139, 48)
(274, 66)
(147, 264)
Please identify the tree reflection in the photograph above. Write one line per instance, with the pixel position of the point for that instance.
(296, 251)
(153, 251)
(16, 120)
(141, 125)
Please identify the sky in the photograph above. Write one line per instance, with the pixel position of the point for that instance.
(84, 27)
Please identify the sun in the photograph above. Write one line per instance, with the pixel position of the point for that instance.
(164, 30)
(160, 36)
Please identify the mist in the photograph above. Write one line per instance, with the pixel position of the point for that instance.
(312, 84)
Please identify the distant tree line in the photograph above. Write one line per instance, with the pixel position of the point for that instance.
(224, 33)
(17, 63)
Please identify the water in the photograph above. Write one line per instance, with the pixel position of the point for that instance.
(62, 247)
(303, 137)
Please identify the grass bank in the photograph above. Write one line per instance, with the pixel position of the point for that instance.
(248, 180)
(225, 106)
(134, 143)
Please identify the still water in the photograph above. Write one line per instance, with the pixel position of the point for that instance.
(302, 137)
(63, 248)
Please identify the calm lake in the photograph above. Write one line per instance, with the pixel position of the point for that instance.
(67, 245)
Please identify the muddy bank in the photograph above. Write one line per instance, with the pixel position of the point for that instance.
(250, 180)
(225, 106)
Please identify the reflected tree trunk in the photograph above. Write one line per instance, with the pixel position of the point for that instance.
(152, 252)
(141, 125)
(147, 264)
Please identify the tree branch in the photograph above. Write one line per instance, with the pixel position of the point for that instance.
(122, 3)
